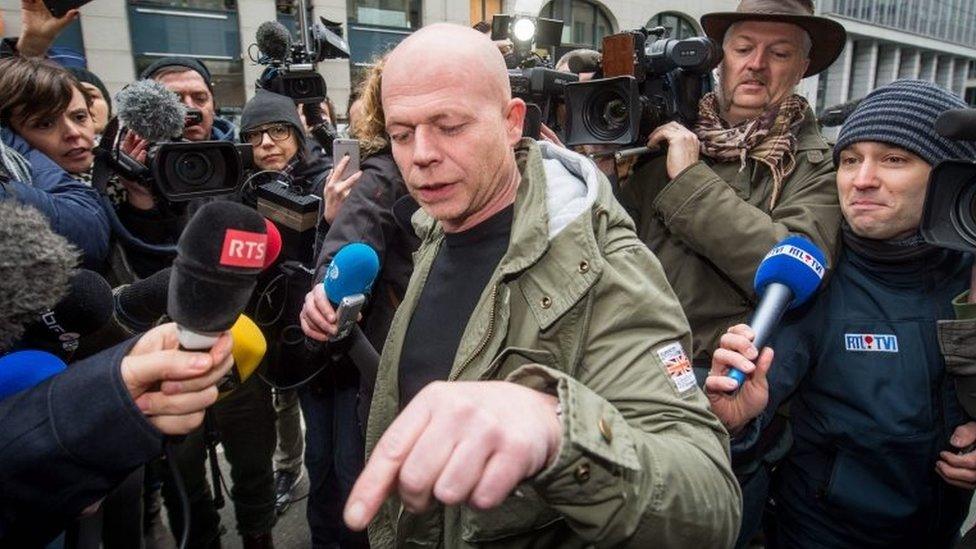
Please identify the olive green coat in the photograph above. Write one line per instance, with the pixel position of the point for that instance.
(577, 307)
(711, 227)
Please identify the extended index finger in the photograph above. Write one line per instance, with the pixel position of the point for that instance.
(379, 477)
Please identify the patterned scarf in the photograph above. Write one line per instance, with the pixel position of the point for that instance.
(769, 138)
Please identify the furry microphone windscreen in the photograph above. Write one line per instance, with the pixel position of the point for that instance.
(36, 266)
(150, 110)
(273, 39)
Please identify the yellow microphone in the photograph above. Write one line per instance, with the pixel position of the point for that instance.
(248, 352)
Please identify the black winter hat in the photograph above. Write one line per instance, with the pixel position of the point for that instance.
(193, 64)
(903, 114)
(88, 77)
(268, 108)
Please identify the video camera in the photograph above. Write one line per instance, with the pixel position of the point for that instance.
(294, 211)
(530, 75)
(949, 214)
(291, 68)
(646, 79)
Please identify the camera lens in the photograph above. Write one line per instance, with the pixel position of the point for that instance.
(607, 114)
(194, 169)
(300, 88)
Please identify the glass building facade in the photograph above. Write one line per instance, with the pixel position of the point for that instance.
(947, 20)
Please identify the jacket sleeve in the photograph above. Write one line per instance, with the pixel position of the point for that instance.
(957, 341)
(65, 444)
(701, 209)
(73, 209)
(642, 462)
(366, 216)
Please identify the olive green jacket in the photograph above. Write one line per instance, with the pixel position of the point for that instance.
(711, 227)
(957, 341)
(577, 307)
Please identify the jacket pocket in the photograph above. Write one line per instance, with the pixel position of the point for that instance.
(522, 513)
(884, 485)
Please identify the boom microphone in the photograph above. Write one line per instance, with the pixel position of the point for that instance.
(151, 111)
(958, 124)
(35, 270)
(86, 309)
(274, 40)
(788, 276)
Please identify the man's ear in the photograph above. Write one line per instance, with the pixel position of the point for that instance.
(514, 120)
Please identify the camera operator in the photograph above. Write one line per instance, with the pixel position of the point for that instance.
(560, 393)
(754, 168)
(336, 403)
(881, 454)
(44, 113)
(138, 209)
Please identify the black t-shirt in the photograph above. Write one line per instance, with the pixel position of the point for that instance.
(458, 276)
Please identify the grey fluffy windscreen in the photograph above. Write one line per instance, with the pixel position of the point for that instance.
(150, 110)
(36, 266)
(273, 39)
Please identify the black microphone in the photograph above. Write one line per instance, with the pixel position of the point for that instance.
(138, 306)
(151, 111)
(835, 116)
(35, 271)
(219, 257)
(584, 61)
(274, 40)
(85, 310)
(958, 124)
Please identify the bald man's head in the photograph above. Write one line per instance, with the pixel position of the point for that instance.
(452, 122)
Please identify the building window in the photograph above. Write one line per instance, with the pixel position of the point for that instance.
(679, 26)
(216, 5)
(399, 14)
(484, 10)
(585, 23)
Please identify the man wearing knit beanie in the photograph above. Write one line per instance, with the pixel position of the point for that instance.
(880, 439)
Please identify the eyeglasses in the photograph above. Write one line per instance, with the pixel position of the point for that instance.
(278, 132)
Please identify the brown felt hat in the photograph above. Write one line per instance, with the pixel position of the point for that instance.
(828, 36)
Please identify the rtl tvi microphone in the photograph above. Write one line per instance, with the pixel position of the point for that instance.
(788, 277)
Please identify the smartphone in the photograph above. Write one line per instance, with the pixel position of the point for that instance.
(60, 7)
(348, 314)
(346, 147)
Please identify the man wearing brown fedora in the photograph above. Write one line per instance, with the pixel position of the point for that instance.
(752, 170)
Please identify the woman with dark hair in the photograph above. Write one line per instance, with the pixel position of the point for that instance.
(44, 116)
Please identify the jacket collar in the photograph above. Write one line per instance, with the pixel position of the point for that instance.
(808, 136)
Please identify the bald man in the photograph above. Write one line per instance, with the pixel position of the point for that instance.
(534, 388)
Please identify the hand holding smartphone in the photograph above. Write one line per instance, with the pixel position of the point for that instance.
(346, 147)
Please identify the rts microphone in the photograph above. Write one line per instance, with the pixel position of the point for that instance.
(219, 256)
(274, 40)
(35, 271)
(151, 111)
(958, 124)
(25, 369)
(85, 310)
(788, 277)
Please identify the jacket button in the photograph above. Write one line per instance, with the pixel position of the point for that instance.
(546, 302)
(584, 266)
(605, 430)
(583, 473)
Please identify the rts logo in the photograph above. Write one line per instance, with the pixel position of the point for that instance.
(243, 249)
(881, 343)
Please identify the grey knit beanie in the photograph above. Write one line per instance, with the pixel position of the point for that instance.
(903, 114)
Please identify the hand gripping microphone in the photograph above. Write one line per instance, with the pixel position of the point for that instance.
(24, 369)
(788, 277)
(349, 277)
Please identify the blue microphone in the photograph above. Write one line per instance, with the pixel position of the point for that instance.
(788, 277)
(353, 271)
(24, 369)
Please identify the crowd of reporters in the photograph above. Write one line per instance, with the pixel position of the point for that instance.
(625, 284)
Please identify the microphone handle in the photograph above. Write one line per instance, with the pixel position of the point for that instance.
(775, 301)
(362, 353)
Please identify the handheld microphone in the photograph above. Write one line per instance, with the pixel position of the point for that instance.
(274, 40)
(349, 277)
(24, 369)
(36, 268)
(151, 111)
(788, 277)
(85, 310)
(219, 256)
(248, 351)
(958, 124)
